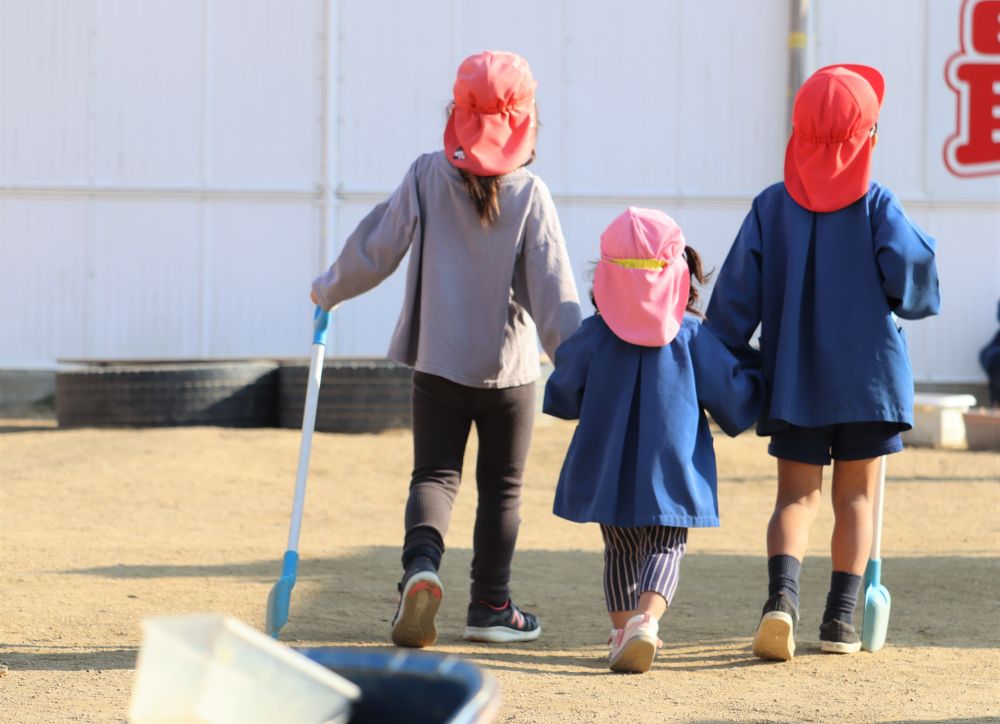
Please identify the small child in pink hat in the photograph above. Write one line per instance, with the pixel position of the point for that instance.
(639, 375)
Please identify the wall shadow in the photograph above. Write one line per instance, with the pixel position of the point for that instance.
(350, 600)
(64, 658)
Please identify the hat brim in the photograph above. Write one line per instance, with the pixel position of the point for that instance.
(489, 144)
(643, 306)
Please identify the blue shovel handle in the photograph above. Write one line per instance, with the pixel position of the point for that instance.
(321, 322)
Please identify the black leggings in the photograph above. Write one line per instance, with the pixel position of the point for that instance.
(443, 413)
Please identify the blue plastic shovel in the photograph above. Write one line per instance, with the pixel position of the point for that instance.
(877, 600)
(280, 598)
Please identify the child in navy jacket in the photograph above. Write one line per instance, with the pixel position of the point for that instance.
(822, 263)
(638, 375)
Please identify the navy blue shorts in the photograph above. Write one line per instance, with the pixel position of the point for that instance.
(847, 441)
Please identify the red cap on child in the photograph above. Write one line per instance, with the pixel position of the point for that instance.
(828, 159)
(491, 130)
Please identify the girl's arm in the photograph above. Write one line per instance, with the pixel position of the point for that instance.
(905, 256)
(375, 248)
(565, 386)
(552, 299)
(732, 394)
(734, 310)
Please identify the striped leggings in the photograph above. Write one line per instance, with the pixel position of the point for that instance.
(637, 560)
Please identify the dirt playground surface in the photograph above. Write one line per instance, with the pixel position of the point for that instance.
(100, 528)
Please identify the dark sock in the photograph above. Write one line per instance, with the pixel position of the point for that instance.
(423, 542)
(843, 596)
(783, 577)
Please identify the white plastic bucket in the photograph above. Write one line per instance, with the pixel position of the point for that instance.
(209, 668)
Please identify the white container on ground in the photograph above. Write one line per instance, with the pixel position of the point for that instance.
(209, 668)
(937, 420)
(982, 429)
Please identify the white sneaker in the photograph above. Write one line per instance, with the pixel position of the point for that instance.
(633, 648)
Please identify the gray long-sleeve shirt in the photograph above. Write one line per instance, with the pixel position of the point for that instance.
(473, 295)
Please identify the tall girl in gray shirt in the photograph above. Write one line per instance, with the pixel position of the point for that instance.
(488, 270)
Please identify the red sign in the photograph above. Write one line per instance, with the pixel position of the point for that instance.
(974, 74)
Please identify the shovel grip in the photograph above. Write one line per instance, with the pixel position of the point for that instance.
(321, 322)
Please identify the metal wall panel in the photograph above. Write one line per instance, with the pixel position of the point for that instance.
(44, 280)
(620, 102)
(44, 81)
(260, 258)
(149, 91)
(147, 268)
(264, 93)
(732, 100)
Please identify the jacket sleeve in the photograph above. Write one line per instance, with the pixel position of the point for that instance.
(905, 256)
(565, 386)
(552, 299)
(374, 249)
(734, 310)
(732, 394)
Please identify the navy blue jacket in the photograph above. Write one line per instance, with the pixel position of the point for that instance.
(642, 453)
(824, 287)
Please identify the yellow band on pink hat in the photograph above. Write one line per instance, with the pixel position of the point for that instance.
(637, 263)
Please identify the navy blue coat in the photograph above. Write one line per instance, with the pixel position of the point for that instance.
(989, 358)
(823, 287)
(642, 452)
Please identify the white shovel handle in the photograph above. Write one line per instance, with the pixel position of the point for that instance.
(321, 320)
(876, 553)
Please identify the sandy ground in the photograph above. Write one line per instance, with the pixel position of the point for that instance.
(99, 529)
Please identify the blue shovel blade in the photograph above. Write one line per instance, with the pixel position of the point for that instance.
(280, 598)
(877, 606)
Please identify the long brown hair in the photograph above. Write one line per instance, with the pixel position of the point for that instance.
(698, 278)
(485, 190)
(697, 275)
(485, 194)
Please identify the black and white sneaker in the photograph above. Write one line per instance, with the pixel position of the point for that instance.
(837, 637)
(775, 636)
(419, 600)
(500, 625)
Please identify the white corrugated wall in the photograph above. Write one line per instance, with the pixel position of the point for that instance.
(173, 173)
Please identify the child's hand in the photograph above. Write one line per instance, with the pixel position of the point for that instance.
(312, 295)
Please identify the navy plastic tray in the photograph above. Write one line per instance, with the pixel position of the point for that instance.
(399, 685)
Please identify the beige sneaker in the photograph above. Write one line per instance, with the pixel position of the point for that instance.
(419, 599)
(775, 636)
(633, 648)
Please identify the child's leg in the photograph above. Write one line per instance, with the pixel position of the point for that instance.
(858, 448)
(853, 489)
(504, 420)
(504, 432)
(622, 561)
(660, 571)
(653, 574)
(440, 432)
(795, 508)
